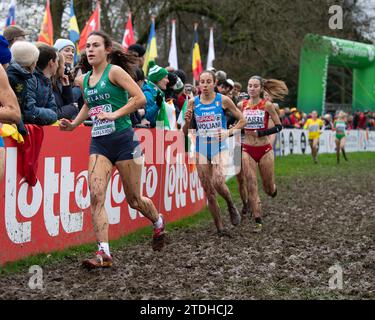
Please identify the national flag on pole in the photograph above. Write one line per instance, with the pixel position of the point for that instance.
(128, 39)
(211, 50)
(93, 24)
(46, 31)
(73, 25)
(173, 61)
(181, 117)
(11, 18)
(73, 30)
(196, 56)
(162, 119)
(152, 50)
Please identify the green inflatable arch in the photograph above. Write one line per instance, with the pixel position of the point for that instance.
(317, 54)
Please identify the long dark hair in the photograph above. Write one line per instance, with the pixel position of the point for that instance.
(117, 56)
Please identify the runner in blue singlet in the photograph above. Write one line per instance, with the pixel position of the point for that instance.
(206, 114)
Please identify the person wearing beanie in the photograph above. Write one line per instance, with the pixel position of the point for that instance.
(25, 55)
(139, 51)
(67, 48)
(63, 92)
(5, 54)
(23, 82)
(154, 90)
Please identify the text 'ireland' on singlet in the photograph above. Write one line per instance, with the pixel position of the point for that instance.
(105, 97)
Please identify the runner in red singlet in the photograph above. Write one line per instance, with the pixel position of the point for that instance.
(257, 150)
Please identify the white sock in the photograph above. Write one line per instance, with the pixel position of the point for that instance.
(158, 223)
(105, 247)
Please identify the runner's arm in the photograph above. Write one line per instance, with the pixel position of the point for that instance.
(276, 120)
(67, 125)
(188, 117)
(229, 105)
(9, 107)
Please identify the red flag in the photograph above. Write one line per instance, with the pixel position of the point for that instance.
(128, 39)
(196, 56)
(46, 32)
(93, 24)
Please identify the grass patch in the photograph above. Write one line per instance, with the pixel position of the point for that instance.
(286, 168)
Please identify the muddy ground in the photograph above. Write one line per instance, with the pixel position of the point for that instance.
(311, 226)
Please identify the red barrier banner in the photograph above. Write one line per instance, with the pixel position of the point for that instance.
(55, 213)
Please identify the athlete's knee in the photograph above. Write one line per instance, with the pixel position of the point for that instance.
(211, 196)
(218, 182)
(97, 197)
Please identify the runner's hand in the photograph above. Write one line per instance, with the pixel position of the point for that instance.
(188, 115)
(66, 125)
(110, 116)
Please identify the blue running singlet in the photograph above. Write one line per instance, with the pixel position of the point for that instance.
(210, 119)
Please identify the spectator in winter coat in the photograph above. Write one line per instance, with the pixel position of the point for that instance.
(41, 95)
(63, 92)
(20, 74)
(154, 89)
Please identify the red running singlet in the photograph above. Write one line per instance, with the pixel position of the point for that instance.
(256, 116)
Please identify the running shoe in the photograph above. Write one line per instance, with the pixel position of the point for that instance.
(235, 216)
(101, 260)
(273, 195)
(258, 228)
(159, 238)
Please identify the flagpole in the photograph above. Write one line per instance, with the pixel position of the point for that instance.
(98, 3)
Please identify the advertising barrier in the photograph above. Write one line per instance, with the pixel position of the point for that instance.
(55, 213)
(295, 141)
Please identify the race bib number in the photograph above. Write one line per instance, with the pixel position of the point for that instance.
(314, 128)
(254, 119)
(340, 128)
(101, 127)
(209, 124)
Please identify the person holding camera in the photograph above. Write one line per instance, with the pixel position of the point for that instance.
(63, 92)
(154, 89)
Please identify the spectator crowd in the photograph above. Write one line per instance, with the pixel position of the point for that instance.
(44, 81)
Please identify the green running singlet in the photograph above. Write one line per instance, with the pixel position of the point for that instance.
(107, 97)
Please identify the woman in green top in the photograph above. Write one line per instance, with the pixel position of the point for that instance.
(340, 128)
(113, 143)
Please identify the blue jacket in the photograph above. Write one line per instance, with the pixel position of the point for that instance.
(41, 102)
(150, 91)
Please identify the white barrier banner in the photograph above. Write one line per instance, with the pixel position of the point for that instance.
(295, 141)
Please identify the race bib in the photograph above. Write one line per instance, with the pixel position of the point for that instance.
(208, 124)
(314, 128)
(101, 127)
(254, 119)
(340, 129)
